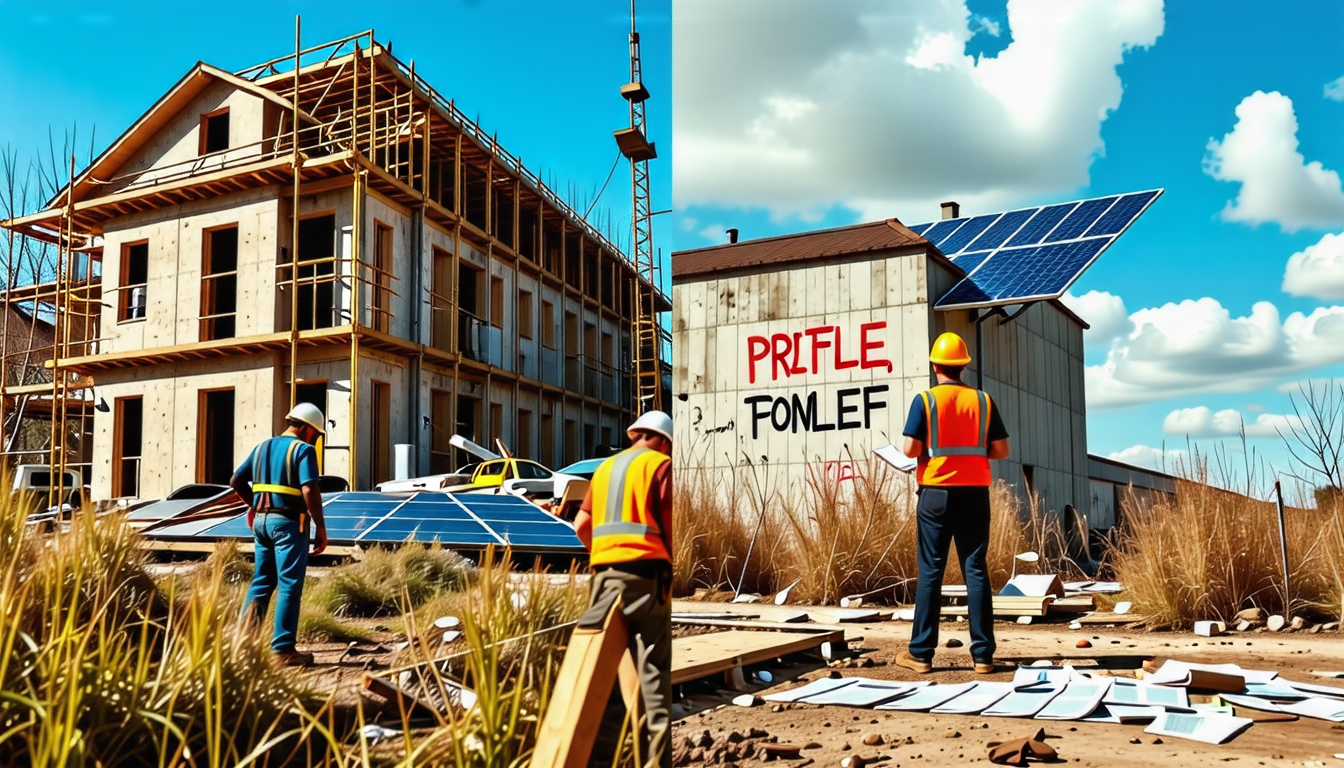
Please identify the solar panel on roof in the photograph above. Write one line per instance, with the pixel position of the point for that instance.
(1033, 253)
(454, 520)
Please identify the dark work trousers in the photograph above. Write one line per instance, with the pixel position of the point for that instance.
(950, 514)
(648, 615)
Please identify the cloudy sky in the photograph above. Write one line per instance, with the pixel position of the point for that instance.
(543, 76)
(801, 114)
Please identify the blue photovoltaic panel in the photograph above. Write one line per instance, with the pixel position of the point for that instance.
(1032, 253)
(918, 229)
(1003, 229)
(967, 232)
(454, 520)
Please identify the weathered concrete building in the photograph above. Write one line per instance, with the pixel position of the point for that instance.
(436, 287)
(805, 351)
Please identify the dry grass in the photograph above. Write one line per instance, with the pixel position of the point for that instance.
(842, 538)
(1210, 553)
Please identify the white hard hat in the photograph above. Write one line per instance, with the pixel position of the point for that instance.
(309, 414)
(653, 421)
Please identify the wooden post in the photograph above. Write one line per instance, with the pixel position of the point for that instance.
(1283, 552)
(590, 669)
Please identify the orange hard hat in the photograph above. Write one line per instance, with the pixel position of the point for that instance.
(949, 349)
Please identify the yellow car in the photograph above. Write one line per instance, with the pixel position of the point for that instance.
(495, 472)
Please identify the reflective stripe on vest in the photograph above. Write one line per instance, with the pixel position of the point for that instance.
(957, 450)
(624, 528)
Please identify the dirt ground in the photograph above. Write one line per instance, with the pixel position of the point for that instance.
(917, 739)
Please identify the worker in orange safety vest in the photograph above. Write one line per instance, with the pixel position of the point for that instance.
(626, 523)
(954, 431)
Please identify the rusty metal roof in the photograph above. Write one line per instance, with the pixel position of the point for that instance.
(824, 244)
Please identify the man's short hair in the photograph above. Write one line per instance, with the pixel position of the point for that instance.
(950, 371)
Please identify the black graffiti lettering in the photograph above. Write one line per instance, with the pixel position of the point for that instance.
(869, 406)
(808, 414)
(756, 415)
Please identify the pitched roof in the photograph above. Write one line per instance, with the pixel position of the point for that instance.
(887, 235)
(167, 107)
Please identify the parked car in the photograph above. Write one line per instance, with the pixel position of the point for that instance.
(32, 487)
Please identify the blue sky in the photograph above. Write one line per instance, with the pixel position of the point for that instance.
(1220, 300)
(544, 76)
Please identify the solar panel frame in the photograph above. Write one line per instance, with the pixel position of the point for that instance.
(1102, 219)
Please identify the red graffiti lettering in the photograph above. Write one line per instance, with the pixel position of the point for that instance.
(757, 349)
(788, 353)
(866, 345)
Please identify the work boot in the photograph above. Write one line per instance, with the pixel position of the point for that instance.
(294, 658)
(904, 659)
(983, 666)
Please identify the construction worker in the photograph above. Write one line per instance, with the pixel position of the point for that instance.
(278, 480)
(953, 430)
(626, 523)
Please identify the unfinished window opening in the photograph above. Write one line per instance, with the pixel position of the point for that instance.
(219, 284)
(548, 324)
(523, 435)
(547, 440)
(473, 202)
(525, 319)
(471, 280)
(127, 444)
(497, 302)
(589, 440)
(606, 439)
(606, 349)
(468, 425)
(441, 301)
(573, 451)
(529, 231)
(314, 392)
(440, 432)
(134, 284)
(607, 271)
(573, 251)
(380, 428)
(381, 304)
(590, 273)
(214, 436)
(496, 424)
(441, 183)
(214, 131)
(317, 272)
(503, 212)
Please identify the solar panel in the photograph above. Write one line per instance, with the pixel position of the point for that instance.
(454, 520)
(1030, 254)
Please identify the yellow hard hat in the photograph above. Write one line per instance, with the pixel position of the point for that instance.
(949, 349)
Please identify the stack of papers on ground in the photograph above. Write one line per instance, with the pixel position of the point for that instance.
(1124, 713)
(1126, 692)
(1317, 690)
(812, 689)
(1025, 701)
(1079, 699)
(865, 693)
(976, 700)
(1227, 678)
(1209, 728)
(925, 699)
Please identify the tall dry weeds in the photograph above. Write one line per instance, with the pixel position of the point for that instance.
(839, 538)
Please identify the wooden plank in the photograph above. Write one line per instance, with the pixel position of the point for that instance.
(408, 703)
(765, 612)
(590, 669)
(705, 655)
(1109, 618)
(692, 621)
(1081, 604)
(848, 615)
(1016, 606)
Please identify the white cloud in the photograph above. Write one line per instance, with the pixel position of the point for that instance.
(1024, 122)
(1277, 184)
(715, 232)
(1198, 346)
(1334, 90)
(1104, 312)
(1168, 461)
(992, 27)
(1203, 422)
(1317, 271)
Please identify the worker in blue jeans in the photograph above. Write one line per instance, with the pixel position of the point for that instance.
(954, 431)
(278, 480)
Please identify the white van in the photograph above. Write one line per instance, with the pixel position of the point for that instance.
(34, 480)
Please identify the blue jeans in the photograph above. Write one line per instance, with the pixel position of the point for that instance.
(281, 561)
(948, 514)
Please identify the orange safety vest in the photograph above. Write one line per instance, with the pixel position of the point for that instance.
(957, 449)
(624, 528)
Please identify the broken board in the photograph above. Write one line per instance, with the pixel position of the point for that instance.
(742, 610)
(704, 655)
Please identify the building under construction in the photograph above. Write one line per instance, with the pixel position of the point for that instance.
(323, 228)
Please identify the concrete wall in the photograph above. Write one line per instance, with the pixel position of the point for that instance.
(746, 380)
(743, 396)
(175, 148)
(176, 241)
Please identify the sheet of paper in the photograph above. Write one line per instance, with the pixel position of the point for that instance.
(812, 689)
(925, 699)
(1137, 693)
(1208, 728)
(1079, 699)
(1216, 677)
(976, 700)
(1317, 690)
(1025, 702)
(1319, 708)
(866, 693)
(1123, 713)
(1250, 702)
(1105, 587)
(1275, 689)
(893, 456)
